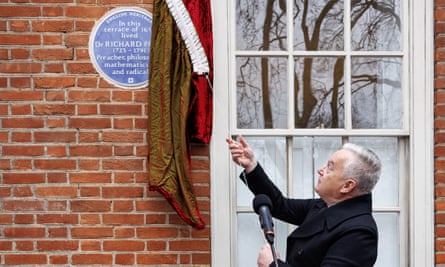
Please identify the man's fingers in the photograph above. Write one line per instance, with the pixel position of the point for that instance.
(242, 141)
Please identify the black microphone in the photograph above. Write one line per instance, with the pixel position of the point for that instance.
(263, 207)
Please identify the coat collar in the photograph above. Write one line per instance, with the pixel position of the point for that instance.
(347, 209)
(330, 217)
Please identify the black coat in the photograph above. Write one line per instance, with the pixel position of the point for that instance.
(343, 235)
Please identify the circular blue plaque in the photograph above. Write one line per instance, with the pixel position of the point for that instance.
(119, 47)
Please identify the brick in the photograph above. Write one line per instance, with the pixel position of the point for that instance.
(77, 39)
(23, 205)
(52, 11)
(54, 82)
(80, 68)
(22, 123)
(22, 191)
(58, 232)
(87, 245)
(92, 232)
(90, 123)
(5, 164)
(17, 150)
(53, 25)
(90, 12)
(89, 95)
(157, 232)
(90, 205)
(24, 232)
(57, 205)
(189, 245)
(91, 151)
(157, 258)
(113, 109)
(156, 245)
(123, 245)
(87, 177)
(55, 164)
(58, 259)
(201, 258)
(123, 218)
(5, 192)
(122, 192)
(53, 245)
(23, 178)
(24, 245)
(23, 258)
(19, 54)
(21, 67)
(125, 259)
(53, 39)
(54, 136)
(92, 258)
(18, 109)
(120, 206)
(123, 136)
(24, 219)
(124, 232)
(5, 245)
(57, 219)
(59, 191)
(19, 11)
(26, 95)
(123, 164)
(5, 218)
(53, 54)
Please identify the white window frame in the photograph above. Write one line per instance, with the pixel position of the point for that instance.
(421, 173)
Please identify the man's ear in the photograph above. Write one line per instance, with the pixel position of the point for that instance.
(348, 186)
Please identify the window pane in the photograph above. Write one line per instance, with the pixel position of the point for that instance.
(319, 90)
(389, 239)
(377, 99)
(271, 154)
(386, 192)
(310, 154)
(318, 25)
(251, 238)
(376, 25)
(261, 92)
(260, 25)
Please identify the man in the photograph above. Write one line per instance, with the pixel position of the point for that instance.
(338, 229)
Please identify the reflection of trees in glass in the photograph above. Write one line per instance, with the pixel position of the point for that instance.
(251, 98)
(376, 82)
(318, 26)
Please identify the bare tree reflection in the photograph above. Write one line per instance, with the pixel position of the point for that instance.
(318, 89)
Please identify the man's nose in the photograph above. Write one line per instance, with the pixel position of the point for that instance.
(321, 171)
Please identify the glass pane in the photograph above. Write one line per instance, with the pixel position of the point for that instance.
(318, 25)
(386, 192)
(271, 154)
(377, 98)
(389, 241)
(261, 25)
(376, 25)
(310, 154)
(262, 95)
(320, 92)
(251, 238)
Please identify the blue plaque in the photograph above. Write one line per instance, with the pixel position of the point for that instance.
(119, 47)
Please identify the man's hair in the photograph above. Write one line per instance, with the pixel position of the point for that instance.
(365, 168)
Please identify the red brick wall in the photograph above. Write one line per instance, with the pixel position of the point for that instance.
(73, 177)
(439, 151)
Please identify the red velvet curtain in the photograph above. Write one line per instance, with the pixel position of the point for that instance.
(179, 107)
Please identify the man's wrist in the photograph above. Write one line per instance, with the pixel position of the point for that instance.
(251, 166)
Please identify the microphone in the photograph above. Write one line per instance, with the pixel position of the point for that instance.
(263, 206)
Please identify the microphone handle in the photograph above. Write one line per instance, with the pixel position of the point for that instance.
(274, 255)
